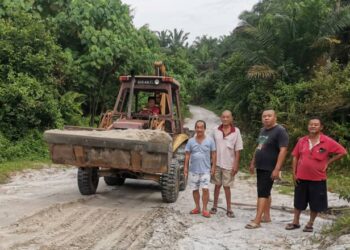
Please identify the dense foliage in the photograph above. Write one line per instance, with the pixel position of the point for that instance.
(60, 61)
(288, 55)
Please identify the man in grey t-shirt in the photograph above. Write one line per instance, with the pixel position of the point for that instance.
(200, 162)
(268, 160)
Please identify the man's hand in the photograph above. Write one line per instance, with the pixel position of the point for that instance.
(234, 171)
(325, 168)
(251, 168)
(212, 171)
(185, 172)
(295, 180)
(275, 174)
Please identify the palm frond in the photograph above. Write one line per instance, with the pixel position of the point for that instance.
(325, 42)
(337, 22)
(261, 72)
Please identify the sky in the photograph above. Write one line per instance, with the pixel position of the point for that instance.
(198, 17)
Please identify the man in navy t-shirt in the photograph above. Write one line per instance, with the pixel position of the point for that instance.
(268, 160)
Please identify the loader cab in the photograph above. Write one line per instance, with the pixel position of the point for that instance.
(165, 92)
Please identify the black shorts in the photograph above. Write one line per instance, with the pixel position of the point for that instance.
(313, 193)
(264, 183)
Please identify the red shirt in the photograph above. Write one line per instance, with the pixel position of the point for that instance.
(155, 110)
(312, 163)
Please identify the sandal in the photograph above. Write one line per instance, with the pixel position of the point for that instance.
(308, 229)
(195, 211)
(213, 210)
(292, 226)
(206, 214)
(252, 225)
(262, 221)
(230, 214)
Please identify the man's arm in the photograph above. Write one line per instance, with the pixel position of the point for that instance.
(187, 160)
(213, 162)
(294, 169)
(252, 163)
(235, 166)
(110, 126)
(281, 157)
(334, 158)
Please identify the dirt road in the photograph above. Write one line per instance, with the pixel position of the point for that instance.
(44, 210)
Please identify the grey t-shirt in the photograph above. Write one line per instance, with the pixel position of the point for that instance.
(269, 143)
(200, 154)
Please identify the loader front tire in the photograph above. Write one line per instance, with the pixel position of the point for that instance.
(170, 184)
(114, 181)
(180, 157)
(183, 181)
(88, 180)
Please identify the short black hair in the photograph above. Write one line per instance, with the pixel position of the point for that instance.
(270, 109)
(151, 98)
(198, 121)
(316, 118)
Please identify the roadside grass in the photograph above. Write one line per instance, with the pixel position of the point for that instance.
(7, 168)
(285, 185)
(285, 189)
(339, 227)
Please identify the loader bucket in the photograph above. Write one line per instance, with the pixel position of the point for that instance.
(139, 151)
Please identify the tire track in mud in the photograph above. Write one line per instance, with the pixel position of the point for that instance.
(82, 225)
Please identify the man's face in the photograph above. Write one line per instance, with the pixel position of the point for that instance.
(151, 103)
(314, 126)
(269, 118)
(226, 118)
(200, 130)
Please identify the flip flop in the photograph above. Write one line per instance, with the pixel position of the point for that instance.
(308, 229)
(213, 210)
(206, 214)
(195, 211)
(252, 225)
(262, 221)
(230, 214)
(291, 226)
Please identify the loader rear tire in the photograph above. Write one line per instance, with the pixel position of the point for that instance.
(170, 184)
(114, 181)
(88, 180)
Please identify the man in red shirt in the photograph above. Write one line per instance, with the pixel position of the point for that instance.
(151, 108)
(311, 157)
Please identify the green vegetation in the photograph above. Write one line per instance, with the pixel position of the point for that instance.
(60, 61)
(340, 227)
(59, 65)
(14, 166)
(291, 56)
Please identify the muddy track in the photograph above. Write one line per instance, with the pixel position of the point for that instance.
(83, 224)
(44, 210)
